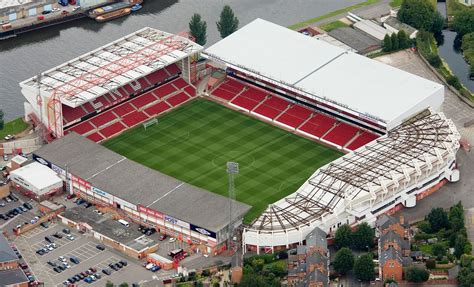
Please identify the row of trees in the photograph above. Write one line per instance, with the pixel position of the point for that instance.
(264, 270)
(227, 24)
(363, 266)
(422, 15)
(360, 239)
(396, 41)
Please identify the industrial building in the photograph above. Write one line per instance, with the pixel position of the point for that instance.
(36, 181)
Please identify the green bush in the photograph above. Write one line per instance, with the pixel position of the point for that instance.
(416, 275)
(424, 226)
(434, 60)
(422, 236)
(454, 81)
(430, 264)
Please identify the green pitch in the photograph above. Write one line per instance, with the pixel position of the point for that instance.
(194, 142)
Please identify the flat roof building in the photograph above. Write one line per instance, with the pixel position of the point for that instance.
(36, 179)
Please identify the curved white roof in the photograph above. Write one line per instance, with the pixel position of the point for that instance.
(327, 73)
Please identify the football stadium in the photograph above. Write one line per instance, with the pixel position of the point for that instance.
(323, 136)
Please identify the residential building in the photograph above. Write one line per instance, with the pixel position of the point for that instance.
(308, 265)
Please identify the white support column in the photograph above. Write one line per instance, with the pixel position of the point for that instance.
(186, 69)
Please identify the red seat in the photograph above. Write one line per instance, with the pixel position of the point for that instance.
(245, 102)
(190, 91)
(255, 94)
(318, 125)
(95, 137)
(103, 118)
(72, 114)
(294, 116)
(157, 77)
(164, 90)
(223, 94)
(178, 99)
(271, 107)
(341, 134)
(180, 83)
(238, 86)
(173, 69)
(361, 140)
(82, 128)
(113, 129)
(124, 109)
(88, 107)
(143, 100)
(157, 109)
(134, 118)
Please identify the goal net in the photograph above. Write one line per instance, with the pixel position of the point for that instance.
(150, 123)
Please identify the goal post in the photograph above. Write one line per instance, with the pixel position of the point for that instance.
(150, 123)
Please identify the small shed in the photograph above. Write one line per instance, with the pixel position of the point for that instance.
(36, 181)
(394, 25)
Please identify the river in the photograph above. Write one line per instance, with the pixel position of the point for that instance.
(35, 52)
(452, 55)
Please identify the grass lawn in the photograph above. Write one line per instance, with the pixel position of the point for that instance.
(13, 127)
(194, 142)
(328, 27)
(398, 3)
(331, 14)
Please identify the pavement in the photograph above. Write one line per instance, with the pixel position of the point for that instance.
(456, 110)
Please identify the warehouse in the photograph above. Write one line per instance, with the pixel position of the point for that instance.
(36, 181)
(147, 196)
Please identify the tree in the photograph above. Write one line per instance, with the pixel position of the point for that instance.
(417, 13)
(344, 261)
(434, 61)
(198, 28)
(387, 43)
(2, 123)
(438, 218)
(395, 45)
(456, 216)
(459, 245)
(363, 237)
(438, 250)
(403, 41)
(416, 275)
(364, 267)
(438, 23)
(454, 81)
(109, 284)
(228, 22)
(466, 277)
(463, 22)
(124, 284)
(343, 236)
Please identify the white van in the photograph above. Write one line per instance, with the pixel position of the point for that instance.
(123, 222)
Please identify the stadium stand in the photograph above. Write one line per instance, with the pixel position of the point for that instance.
(157, 109)
(318, 125)
(271, 107)
(134, 118)
(103, 118)
(341, 134)
(72, 114)
(294, 116)
(82, 128)
(143, 100)
(95, 137)
(178, 99)
(363, 139)
(113, 129)
(164, 90)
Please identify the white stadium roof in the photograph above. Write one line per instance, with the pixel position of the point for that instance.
(326, 72)
(98, 72)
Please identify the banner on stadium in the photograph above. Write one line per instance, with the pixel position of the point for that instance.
(150, 212)
(81, 182)
(58, 170)
(41, 160)
(178, 222)
(203, 231)
(101, 192)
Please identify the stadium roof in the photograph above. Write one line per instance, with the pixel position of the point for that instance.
(327, 73)
(113, 65)
(137, 184)
(370, 174)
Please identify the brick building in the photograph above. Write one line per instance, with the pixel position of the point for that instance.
(393, 247)
(309, 264)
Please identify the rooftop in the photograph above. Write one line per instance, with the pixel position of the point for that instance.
(38, 175)
(6, 252)
(113, 173)
(105, 69)
(373, 29)
(103, 224)
(399, 25)
(355, 39)
(12, 277)
(324, 72)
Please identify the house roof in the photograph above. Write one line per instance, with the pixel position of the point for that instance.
(12, 277)
(356, 39)
(6, 252)
(390, 254)
(385, 221)
(399, 25)
(393, 236)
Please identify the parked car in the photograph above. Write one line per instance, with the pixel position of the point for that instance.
(88, 280)
(57, 270)
(150, 231)
(70, 237)
(172, 239)
(13, 197)
(162, 237)
(123, 262)
(49, 239)
(66, 231)
(100, 247)
(155, 268)
(113, 266)
(40, 251)
(27, 205)
(45, 224)
(52, 264)
(106, 271)
(57, 235)
(75, 260)
(87, 205)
